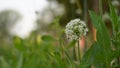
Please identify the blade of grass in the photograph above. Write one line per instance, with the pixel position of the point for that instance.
(20, 61)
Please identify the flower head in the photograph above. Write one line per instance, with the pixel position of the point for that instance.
(76, 29)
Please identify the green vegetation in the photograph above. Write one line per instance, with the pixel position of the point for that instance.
(47, 51)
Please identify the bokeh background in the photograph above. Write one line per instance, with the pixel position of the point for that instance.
(33, 18)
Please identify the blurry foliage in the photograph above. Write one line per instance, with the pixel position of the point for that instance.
(7, 21)
(51, 50)
(42, 55)
(102, 53)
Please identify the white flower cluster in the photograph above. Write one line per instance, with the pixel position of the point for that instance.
(76, 29)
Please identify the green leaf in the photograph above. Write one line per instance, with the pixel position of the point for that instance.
(102, 33)
(103, 41)
(95, 19)
(95, 56)
(92, 56)
(114, 19)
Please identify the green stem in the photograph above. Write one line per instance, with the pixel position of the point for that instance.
(74, 54)
(79, 57)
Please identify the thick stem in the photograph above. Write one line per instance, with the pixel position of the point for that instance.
(79, 56)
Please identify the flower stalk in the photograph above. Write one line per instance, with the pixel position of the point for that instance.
(75, 30)
(79, 54)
